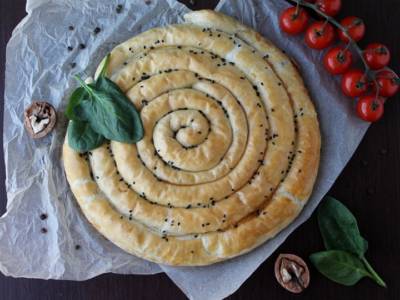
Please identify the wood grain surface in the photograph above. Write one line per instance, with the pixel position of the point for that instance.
(369, 186)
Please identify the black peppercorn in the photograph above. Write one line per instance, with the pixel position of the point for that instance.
(82, 46)
(43, 217)
(118, 9)
(70, 27)
(96, 30)
(43, 230)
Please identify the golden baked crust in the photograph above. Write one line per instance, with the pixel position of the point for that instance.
(230, 152)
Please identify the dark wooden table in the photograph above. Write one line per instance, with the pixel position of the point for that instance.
(369, 185)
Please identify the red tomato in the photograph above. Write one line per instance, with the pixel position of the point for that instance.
(338, 60)
(370, 108)
(388, 82)
(330, 7)
(354, 83)
(355, 28)
(377, 56)
(319, 35)
(293, 20)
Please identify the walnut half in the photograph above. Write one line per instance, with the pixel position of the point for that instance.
(39, 119)
(292, 273)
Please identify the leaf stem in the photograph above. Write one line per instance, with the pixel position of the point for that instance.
(83, 84)
(105, 65)
(375, 275)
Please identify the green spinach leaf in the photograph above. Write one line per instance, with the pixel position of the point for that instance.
(76, 97)
(106, 85)
(82, 138)
(340, 233)
(340, 266)
(110, 113)
(339, 228)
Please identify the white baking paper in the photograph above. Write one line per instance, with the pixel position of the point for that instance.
(38, 67)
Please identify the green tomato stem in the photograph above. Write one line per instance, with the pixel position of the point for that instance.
(374, 275)
(369, 73)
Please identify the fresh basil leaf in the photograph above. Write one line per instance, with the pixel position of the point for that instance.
(106, 85)
(339, 266)
(82, 138)
(339, 228)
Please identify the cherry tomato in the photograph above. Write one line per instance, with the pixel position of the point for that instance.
(294, 20)
(338, 60)
(330, 7)
(354, 83)
(377, 56)
(319, 35)
(355, 28)
(389, 83)
(370, 108)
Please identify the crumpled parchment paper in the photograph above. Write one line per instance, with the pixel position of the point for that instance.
(38, 66)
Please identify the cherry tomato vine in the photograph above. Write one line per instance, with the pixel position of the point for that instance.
(371, 86)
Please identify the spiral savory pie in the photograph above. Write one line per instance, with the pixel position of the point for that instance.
(230, 152)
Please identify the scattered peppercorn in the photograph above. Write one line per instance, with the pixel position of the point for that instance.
(72, 65)
(70, 27)
(43, 230)
(96, 30)
(118, 9)
(70, 48)
(43, 217)
(82, 46)
(77, 247)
